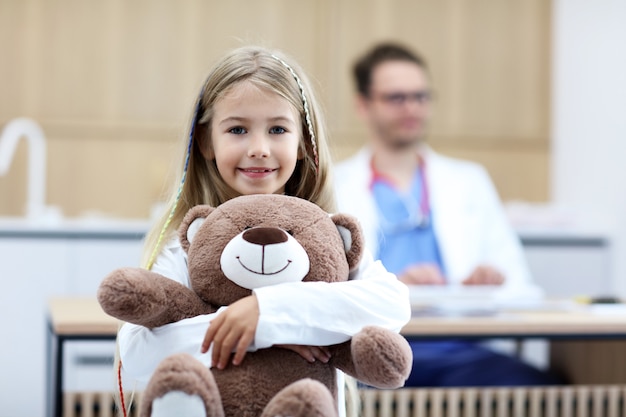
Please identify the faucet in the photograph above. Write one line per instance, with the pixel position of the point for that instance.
(32, 132)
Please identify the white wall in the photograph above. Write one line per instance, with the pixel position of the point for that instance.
(589, 118)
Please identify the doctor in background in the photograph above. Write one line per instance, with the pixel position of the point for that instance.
(431, 219)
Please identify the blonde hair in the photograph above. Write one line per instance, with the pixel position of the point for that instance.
(199, 181)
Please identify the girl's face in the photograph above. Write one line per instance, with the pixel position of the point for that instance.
(255, 136)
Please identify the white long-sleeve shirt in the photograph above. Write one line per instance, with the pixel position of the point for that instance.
(306, 313)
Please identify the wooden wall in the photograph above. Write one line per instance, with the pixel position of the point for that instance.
(113, 83)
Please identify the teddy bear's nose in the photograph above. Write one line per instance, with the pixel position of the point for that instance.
(265, 235)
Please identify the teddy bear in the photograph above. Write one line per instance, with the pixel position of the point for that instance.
(245, 243)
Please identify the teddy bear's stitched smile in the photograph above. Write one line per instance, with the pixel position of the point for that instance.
(263, 265)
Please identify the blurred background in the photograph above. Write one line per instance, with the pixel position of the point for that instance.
(113, 84)
(535, 90)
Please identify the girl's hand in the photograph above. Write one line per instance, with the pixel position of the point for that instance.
(310, 353)
(425, 274)
(484, 275)
(232, 329)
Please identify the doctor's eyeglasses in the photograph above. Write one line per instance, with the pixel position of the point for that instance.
(398, 99)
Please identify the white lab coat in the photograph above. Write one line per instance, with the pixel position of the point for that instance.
(468, 218)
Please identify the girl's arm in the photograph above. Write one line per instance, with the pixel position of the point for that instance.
(320, 313)
(311, 313)
(142, 349)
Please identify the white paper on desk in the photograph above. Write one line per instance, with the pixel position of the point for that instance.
(608, 309)
(452, 299)
(466, 300)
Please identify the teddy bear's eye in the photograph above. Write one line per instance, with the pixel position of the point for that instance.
(247, 228)
(290, 232)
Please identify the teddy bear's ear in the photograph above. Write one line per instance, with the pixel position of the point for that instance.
(352, 236)
(191, 224)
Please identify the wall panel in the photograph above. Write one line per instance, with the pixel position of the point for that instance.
(113, 83)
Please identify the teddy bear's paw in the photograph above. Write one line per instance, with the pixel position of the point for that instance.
(381, 357)
(127, 295)
(181, 386)
(303, 398)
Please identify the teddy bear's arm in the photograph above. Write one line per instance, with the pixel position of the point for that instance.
(375, 356)
(143, 297)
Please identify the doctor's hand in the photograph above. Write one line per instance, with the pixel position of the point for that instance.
(484, 275)
(422, 274)
(234, 328)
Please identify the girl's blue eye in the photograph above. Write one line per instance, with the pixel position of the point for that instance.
(237, 130)
(277, 130)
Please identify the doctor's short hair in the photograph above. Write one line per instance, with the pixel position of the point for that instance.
(383, 52)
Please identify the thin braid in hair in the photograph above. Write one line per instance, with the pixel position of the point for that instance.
(305, 102)
(180, 187)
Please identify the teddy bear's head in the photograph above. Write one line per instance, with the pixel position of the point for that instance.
(266, 239)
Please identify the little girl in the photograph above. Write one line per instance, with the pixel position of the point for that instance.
(258, 129)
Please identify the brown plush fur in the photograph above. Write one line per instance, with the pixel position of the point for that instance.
(375, 356)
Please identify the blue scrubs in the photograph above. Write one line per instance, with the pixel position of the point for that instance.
(406, 235)
(407, 238)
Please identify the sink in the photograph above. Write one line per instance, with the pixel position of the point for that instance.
(30, 130)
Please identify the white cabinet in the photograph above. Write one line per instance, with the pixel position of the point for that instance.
(36, 265)
(88, 366)
(30, 270)
(92, 259)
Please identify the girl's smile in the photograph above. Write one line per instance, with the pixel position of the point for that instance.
(255, 135)
(257, 172)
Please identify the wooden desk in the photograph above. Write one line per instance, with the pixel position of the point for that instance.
(579, 323)
(586, 346)
(71, 319)
(569, 332)
(78, 316)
